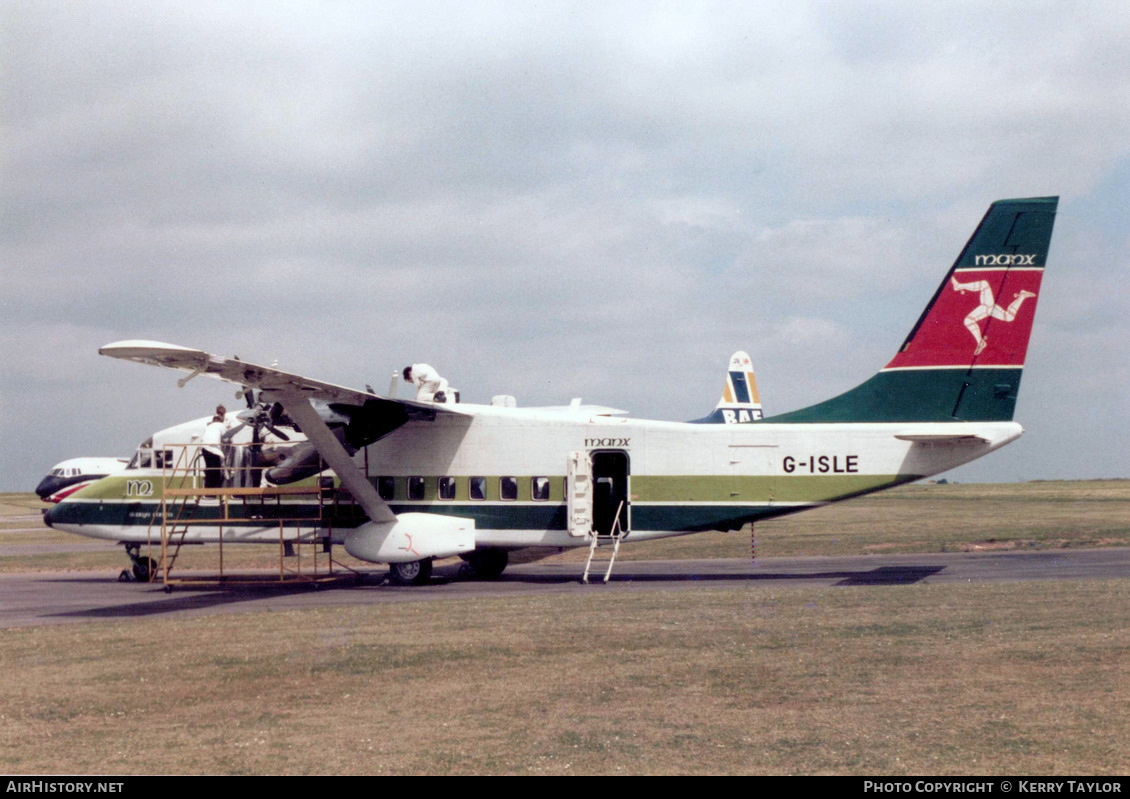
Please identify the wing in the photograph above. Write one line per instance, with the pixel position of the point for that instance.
(387, 537)
(377, 416)
(233, 370)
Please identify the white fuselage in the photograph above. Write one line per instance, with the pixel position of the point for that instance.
(506, 469)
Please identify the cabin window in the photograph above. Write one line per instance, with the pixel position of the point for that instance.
(508, 487)
(478, 488)
(415, 488)
(447, 488)
(539, 488)
(386, 488)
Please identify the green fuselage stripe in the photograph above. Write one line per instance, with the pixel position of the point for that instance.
(758, 489)
(658, 503)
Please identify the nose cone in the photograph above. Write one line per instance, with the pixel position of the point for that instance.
(47, 515)
(48, 486)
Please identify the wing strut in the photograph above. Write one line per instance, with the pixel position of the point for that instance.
(335, 455)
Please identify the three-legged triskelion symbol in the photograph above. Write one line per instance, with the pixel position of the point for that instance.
(987, 308)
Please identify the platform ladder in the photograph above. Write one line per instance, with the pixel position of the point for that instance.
(173, 516)
(612, 539)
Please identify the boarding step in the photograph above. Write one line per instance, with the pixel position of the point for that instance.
(610, 544)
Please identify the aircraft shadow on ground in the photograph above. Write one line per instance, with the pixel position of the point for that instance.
(884, 575)
(203, 596)
(206, 595)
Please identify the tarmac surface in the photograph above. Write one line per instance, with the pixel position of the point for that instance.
(34, 599)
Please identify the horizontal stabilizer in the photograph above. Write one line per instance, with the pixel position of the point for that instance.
(940, 438)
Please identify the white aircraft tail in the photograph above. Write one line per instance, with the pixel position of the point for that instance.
(740, 402)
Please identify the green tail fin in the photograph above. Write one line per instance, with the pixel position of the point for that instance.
(963, 358)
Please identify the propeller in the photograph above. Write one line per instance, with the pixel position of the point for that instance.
(260, 416)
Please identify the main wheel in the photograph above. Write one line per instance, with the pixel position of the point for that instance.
(488, 564)
(414, 572)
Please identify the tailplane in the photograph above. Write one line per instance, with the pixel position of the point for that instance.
(963, 358)
(740, 401)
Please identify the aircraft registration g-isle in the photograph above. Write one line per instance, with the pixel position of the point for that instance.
(435, 479)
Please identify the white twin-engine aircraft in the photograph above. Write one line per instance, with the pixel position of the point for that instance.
(438, 479)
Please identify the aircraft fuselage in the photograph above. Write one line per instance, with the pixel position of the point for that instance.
(505, 468)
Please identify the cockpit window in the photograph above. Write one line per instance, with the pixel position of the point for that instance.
(143, 458)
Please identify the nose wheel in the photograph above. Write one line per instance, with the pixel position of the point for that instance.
(143, 569)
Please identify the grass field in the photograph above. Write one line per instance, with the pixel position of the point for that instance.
(913, 518)
(1020, 678)
(1000, 678)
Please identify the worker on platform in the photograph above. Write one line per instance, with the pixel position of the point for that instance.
(212, 451)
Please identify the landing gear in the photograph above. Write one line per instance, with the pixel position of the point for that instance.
(414, 572)
(143, 569)
(487, 564)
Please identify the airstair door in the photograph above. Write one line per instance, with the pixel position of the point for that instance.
(578, 490)
(598, 487)
(610, 492)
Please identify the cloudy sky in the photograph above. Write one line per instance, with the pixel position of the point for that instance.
(550, 200)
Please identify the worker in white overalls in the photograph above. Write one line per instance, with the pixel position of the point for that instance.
(212, 451)
(430, 387)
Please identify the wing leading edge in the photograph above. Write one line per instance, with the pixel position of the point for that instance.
(233, 370)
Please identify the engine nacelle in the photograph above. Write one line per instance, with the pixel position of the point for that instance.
(413, 536)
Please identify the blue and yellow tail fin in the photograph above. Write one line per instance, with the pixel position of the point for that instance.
(741, 402)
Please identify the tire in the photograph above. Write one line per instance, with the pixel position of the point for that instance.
(414, 572)
(488, 564)
(144, 569)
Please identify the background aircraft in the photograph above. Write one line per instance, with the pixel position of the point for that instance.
(70, 475)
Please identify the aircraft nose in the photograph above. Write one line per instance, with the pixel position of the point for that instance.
(47, 515)
(46, 487)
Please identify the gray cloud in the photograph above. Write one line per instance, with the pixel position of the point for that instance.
(552, 201)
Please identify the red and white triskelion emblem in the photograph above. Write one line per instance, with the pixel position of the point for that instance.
(987, 308)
